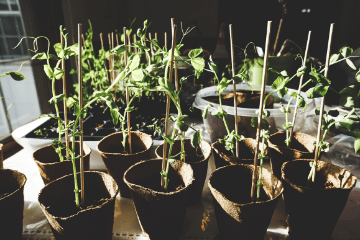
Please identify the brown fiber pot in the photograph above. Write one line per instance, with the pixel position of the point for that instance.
(117, 163)
(12, 204)
(237, 217)
(224, 157)
(198, 163)
(312, 212)
(50, 166)
(302, 146)
(161, 214)
(93, 223)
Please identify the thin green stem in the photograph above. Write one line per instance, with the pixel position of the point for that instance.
(261, 167)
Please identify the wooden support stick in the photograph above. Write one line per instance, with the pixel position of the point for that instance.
(81, 120)
(76, 61)
(234, 87)
(327, 63)
(151, 48)
(102, 47)
(168, 100)
(165, 39)
(113, 64)
(128, 41)
(64, 101)
(253, 187)
(135, 49)
(110, 58)
(277, 36)
(1, 156)
(156, 36)
(88, 61)
(127, 96)
(299, 89)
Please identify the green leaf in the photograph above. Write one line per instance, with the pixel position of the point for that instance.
(254, 121)
(204, 115)
(57, 98)
(58, 73)
(198, 63)
(196, 139)
(213, 67)
(59, 49)
(181, 126)
(115, 116)
(39, 56)
(183, 118)
(274, 71)
(223, 85)
(350, 63)
(48, 71)
(320, 78)
(348, 123)
(137, 75)
(357, 76)
(195, 52)
(73, 71)
(118, 49)
(334, 58)
(168, 139)
(357, 144)
(134, 63)
(279, 83)
(15, 75)
(317, 111)
(74, 48)
(282, 92)
(349, 97)
(318, 91)
(53, 57)
(346, 51)
(284, 73)
(70, 101)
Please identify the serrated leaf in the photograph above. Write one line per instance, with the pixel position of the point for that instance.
(137, 75)
(195, 52)
(58, 73)
(196, 139)
(134, 63)
(198, 63)
(39, 56)
(350, 63)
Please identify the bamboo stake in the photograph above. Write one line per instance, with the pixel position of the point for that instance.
(128, 42)
(76, 61)
(156, 36)
(277, 36)
(165, 39)
(135, 49)
(151, 48)
(168, 99)
(327, 63)
(127, 95)
(113, 64)
(64, 101)
(234, 86)
(88, 62)
(253, 187)
(102, 47)
(81, 120)
(299, 89)
(110, 58)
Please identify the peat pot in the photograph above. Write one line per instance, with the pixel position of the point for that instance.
(50, 166)
(95, 221)
(198, 159)
(117, 161)
(11, 204)
(161, 214)
(302, 146)
(312, 212)
(224, 157)
(237, 217)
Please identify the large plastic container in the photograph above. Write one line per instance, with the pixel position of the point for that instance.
(216, 127)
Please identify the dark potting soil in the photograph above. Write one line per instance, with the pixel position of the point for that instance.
(154, 183)
(120, 149)
(68, 207)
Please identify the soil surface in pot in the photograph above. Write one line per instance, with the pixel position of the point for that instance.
(244, 99)
(120, 149)
(67, 207)
(154, 183)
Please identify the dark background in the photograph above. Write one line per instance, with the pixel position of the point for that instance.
(249, 19)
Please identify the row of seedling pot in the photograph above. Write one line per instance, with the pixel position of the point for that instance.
(245, 194)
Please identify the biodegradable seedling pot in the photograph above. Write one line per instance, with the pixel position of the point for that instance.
(50, 166)
(224, 157)
(237, 217)
(117, 162)
(302, 146)
(161, 214)
(11, 204)
(67, 222)
(312, 212)
(198, 163)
